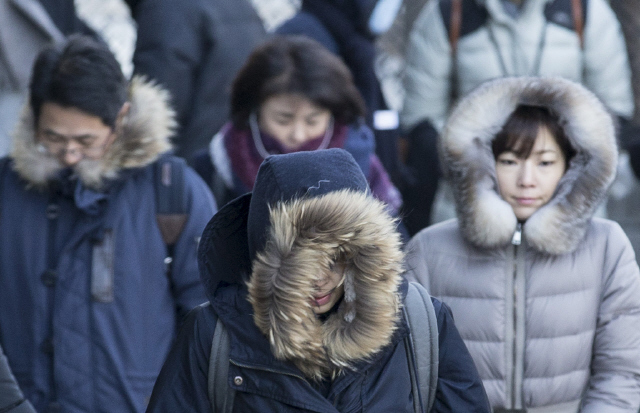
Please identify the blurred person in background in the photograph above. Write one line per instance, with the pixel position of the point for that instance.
(27, 27)
(92, 289)
(291, 95)
(455, 45)
(349, 28)
(193, 49)
(546, 296)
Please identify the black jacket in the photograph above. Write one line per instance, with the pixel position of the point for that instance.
(336, 365)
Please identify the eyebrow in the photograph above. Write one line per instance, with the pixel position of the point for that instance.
(60, 135)
(543, 151)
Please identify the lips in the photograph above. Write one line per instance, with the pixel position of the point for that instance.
(526, 201)
(320, 301)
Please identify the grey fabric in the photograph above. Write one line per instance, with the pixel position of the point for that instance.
(551, 321)
(423, 324)
(576, 346)
(102, 268)
(25, 28)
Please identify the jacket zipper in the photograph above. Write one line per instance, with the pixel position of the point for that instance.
(515, 241)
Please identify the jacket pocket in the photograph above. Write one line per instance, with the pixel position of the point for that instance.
(102, 268)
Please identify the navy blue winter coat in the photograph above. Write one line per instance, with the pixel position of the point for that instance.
(194, 48)
(87, 311)
(377, 380)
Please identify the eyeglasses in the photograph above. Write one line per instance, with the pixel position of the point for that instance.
(89, 146)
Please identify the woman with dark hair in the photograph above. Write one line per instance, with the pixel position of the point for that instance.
(291, 95)
(546, 296)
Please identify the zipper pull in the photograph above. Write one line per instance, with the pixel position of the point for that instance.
(517, 236)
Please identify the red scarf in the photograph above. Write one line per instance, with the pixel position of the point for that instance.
(246, 160)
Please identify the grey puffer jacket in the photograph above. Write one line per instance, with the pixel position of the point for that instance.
(539, 42)
(552, 323)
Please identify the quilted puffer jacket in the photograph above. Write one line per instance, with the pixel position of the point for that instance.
(552, 321)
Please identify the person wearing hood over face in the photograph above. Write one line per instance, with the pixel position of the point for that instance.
(88, 305)
(304, 274)
(546, 296)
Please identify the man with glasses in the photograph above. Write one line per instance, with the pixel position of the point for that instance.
(91, 293)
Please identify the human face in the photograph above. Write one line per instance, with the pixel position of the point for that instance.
(292, 119)
(72, 135)
(328, 289)
(528, 184)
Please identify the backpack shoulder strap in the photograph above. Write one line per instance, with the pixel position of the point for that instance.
(571, 14)
(220, 393)
(171, 199)
(461, 17)
(455, 23)
(423, 343)
(4, 163)
(578, 19)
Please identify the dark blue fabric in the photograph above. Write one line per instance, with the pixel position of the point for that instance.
(380, 384)
(279, 179)
(106, 354)
(194, 49)
(182, 384)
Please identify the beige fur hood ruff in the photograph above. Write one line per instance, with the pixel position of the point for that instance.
(307, 235)
(486, 220)
(144, 136)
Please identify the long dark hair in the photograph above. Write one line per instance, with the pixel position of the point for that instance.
(296, 65)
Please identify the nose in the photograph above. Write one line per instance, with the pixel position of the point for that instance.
(71, 154)
(526, 174)
(298, 134)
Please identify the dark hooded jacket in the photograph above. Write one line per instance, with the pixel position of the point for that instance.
(87, 311)
(282, 357)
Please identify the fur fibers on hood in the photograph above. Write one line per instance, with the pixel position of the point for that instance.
(486, 220)
(307, 235)
(144, 136)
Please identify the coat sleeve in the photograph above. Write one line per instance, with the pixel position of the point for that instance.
(11, 398)
(606, 61)
(459, 387)
(185, 277)
(428, 71)
(615, 368)
(182, 383)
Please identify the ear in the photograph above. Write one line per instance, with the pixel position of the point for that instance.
(124, 111)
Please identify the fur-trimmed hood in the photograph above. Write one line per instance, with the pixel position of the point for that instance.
(278, 240)
(144, 136)
(307, 237)
(486, 220)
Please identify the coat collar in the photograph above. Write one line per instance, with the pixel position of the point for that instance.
(145, 136)
(486, 220)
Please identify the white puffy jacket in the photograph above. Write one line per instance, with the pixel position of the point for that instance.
(529, 45)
